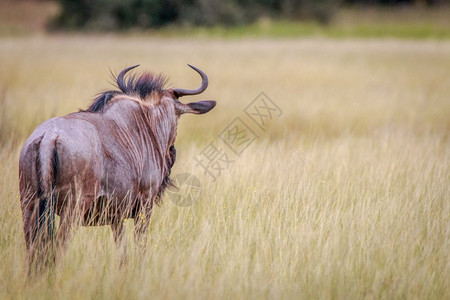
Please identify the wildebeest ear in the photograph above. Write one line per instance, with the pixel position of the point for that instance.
(200, 107)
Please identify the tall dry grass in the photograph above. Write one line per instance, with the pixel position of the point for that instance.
(345, 196)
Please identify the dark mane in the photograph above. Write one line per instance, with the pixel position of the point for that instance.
(101, 101)
(141, 85)
(167, 181)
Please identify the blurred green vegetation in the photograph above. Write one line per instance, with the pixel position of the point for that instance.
(346, 19)
(120, 14)
(106, 15)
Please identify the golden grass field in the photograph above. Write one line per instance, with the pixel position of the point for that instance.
(345, 196)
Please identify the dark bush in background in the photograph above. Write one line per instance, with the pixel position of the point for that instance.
(124, 14)
(114, 14)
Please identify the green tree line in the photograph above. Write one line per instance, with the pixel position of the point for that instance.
(125, 14)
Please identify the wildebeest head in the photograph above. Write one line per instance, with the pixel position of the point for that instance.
(161, 107)
(150, 89)
(199, 107)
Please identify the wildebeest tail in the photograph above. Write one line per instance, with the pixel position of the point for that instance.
(46, 172)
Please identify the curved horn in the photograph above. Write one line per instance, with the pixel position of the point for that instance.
(201, 89)
(120, 78)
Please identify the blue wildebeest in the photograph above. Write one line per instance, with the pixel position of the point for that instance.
(104, 164)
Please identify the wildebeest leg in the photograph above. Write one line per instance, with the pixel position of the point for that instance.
(118, 230)
(141, 223)
(67, 222)
(39, 244)
(140, 230)
(29, 228)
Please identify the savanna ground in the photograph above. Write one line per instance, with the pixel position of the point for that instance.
(345, 195)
